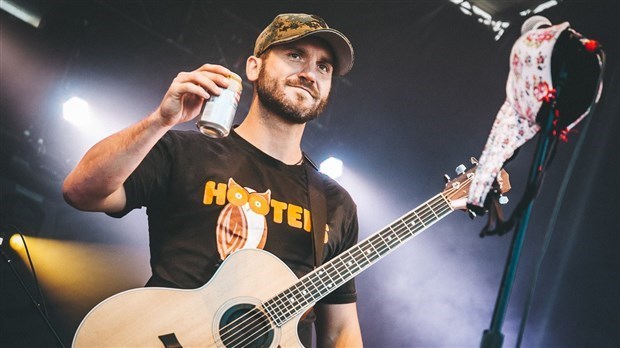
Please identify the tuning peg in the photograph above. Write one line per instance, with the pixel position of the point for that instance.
(503, 199)
(446, 177)
(460, 169)
(473, 160)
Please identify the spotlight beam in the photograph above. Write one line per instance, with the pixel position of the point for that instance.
(36, 304)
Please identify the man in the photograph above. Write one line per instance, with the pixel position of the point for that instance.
(196, 189)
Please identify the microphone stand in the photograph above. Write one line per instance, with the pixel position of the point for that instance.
(32, 299)
(493, 337)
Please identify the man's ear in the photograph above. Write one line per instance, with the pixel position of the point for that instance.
(252, 68)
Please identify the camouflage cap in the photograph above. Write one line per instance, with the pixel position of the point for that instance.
(289, 27)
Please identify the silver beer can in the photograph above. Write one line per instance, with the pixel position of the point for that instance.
(217, 112)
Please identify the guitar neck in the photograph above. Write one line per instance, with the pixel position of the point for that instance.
(323, 280)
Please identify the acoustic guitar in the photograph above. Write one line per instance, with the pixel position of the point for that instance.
(254, 299)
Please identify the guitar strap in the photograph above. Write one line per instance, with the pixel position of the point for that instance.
(318, 208)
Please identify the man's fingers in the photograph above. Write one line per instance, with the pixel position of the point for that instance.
(187, 88)
(211, 82)
(218, 69)
(179, 89)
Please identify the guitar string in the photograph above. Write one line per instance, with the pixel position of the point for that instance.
(247, 333)
(373, 244)
(260, 333)
(383, 249)
(257, 333)
(255, 315)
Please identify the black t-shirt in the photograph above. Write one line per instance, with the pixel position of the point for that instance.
(207, 197)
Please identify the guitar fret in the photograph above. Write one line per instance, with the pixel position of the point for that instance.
(407, 226)
(418, 216)
(280, 315)
(433, 210)
(337, 272)
(300, 300)
(331, 282)
(376, 243)
(269, 311)
(355, 254)
(374, 253)
(351, 262)
(413, 224)
(283, 305)
(274, 312)
(320, 276)
(363, 253)
(345, 266)
(445, 200)
(304, 291)
(284, 298)
(292, 297)
(388, 239)
(385, 242)
(316, 289)
(407, 230)
(396, 235)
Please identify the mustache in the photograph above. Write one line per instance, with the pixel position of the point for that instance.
(307, 85)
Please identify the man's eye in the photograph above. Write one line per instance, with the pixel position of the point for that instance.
(325, 68)
(294, 55)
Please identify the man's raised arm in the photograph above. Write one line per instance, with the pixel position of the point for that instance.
(96, 183)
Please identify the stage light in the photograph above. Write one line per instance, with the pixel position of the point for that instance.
(20, 12)
(484, 18)
(331, 167)
(16, 242)
(539, 8)
(77, 112)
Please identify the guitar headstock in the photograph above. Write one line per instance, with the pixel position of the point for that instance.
(457, 189)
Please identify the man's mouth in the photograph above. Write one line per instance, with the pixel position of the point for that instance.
(312, 93)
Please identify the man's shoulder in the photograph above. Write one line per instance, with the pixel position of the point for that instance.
(335, 191)
(183, 135)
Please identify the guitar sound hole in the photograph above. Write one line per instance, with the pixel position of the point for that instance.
(243, 325)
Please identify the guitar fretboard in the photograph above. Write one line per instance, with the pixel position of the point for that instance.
(323, 280)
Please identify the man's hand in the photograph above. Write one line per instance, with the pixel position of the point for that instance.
(183, 99)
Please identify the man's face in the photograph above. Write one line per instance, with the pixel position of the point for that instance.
(295, 79)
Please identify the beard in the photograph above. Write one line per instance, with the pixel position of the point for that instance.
(272, 97)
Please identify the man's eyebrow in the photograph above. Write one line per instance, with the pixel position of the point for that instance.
(329, 60)
(302, 50)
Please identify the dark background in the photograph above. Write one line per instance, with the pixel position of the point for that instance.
(426, 86)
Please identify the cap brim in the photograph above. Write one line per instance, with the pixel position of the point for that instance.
(341, 46)
(337, 41)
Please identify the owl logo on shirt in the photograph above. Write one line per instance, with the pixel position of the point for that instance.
(242, 223)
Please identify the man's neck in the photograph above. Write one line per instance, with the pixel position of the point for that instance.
(272, 135)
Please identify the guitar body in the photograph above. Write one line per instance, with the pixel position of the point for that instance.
(198, 317)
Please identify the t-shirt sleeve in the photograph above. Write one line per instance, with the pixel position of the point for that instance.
(345, 293)
(148, 182)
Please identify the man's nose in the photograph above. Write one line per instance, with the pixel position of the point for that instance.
(308, 72)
